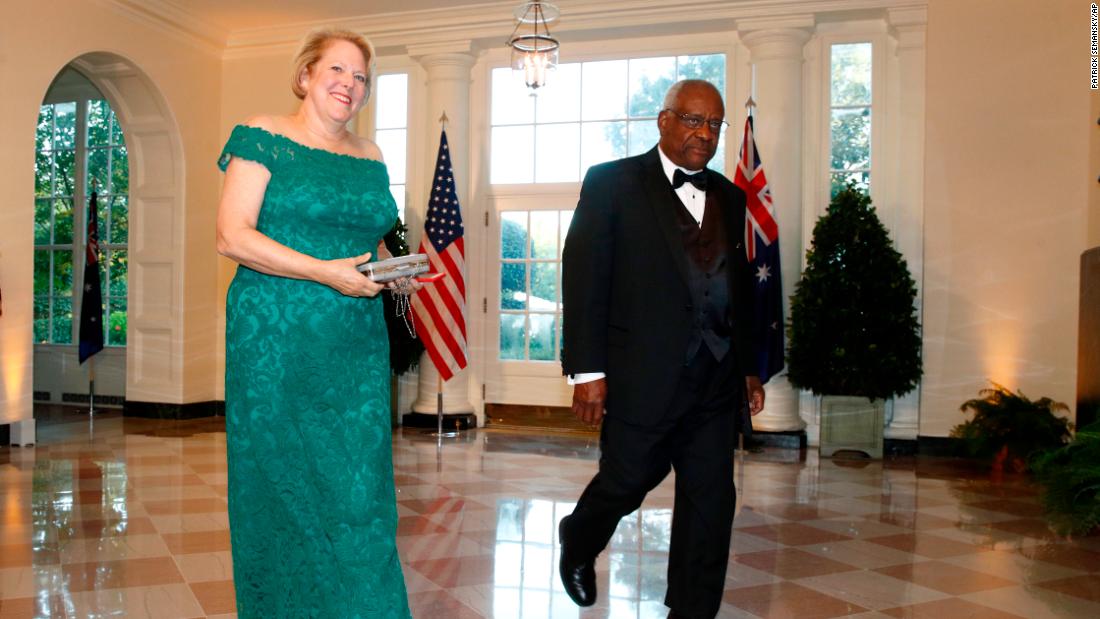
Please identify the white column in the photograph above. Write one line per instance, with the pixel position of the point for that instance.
(448, 90)
(775, 50)
(908, 28)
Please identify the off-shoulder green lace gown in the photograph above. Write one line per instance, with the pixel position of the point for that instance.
(312, 510)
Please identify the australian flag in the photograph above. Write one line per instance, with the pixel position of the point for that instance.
(91, 300)
(762, 249)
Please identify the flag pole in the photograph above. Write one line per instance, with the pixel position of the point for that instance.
(91, 386)
(439, 433)
(91, 366)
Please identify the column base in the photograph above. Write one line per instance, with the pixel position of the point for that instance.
(22, 433)
(791, 439)
(451, 421)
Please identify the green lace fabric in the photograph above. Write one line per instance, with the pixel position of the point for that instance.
(312, 509)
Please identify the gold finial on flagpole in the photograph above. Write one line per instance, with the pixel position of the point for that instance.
(749, 105)
(443, 119)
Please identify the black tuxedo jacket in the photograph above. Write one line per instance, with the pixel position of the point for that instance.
(627, 304)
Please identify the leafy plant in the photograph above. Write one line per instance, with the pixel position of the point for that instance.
(405, 350)
(1070, 477)
(853, 328)
(1008, 424)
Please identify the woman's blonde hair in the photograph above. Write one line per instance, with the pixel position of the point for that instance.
(314, 45)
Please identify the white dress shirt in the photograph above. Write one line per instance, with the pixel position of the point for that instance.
(696, 203)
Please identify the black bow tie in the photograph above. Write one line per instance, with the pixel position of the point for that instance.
(699, 179)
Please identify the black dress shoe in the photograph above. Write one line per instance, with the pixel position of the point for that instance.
(578, 577)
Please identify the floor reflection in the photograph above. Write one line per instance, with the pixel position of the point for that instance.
(126, 517)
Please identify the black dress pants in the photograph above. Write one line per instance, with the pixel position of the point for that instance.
(696, 439)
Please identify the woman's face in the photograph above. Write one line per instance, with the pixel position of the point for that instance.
(337, 84)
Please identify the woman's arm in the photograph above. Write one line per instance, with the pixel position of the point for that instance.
(239, 210)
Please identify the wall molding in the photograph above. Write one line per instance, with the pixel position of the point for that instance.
(489, 23)
(175, 20)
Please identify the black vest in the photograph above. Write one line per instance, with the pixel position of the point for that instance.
(707, 247)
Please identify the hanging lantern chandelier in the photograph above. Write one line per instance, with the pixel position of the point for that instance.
(534, 53)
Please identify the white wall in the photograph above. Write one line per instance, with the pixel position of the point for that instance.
(181, 78)
(1006, 198)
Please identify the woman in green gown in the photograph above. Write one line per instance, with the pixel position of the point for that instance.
(312, 509)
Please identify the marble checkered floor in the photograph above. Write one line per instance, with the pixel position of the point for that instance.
(126, 517)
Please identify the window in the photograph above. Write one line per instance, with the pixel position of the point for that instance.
(850, 122)
(109, 173)
(391, 123)
(589, 113)
(55, 171)
(530, 284)
(79, 136)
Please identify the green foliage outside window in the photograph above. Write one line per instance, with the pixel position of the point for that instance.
(58, 238)
(648, 100)
(850, 123)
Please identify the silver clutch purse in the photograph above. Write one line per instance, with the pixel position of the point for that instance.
(395, 268)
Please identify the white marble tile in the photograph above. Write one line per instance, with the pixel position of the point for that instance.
(1035, 602)
(871, 590)
(205, 566)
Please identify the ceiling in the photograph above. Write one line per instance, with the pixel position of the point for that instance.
(236, 15)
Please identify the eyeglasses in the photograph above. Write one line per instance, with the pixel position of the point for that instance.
(691, 121)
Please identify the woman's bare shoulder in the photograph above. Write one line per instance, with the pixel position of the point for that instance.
(268, 122)
(366, 148)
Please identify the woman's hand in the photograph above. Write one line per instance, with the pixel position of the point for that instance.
(342, 276)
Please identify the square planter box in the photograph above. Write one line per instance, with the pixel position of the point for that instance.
(851, 424)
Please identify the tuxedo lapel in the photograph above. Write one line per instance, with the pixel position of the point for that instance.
(663, 202)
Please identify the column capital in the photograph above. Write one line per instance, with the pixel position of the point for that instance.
(911, 16)
(778, 38)
(908, 27)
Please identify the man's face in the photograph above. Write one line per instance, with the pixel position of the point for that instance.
(686, 147)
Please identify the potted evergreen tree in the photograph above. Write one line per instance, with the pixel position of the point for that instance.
(405, 349)
(853, 334)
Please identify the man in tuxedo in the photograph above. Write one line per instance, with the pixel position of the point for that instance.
(657, 333)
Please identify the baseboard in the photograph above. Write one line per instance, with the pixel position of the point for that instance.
(83, 398)
(922, 445)
(795, 439)
(164, 410)
(451, 421)
(939, 446)
(900, 447)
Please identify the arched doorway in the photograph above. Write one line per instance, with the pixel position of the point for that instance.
(143, 291)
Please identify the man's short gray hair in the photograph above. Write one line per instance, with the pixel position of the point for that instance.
(674, 90)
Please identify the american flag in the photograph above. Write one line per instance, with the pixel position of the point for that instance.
(762, 249)
(439, 309)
